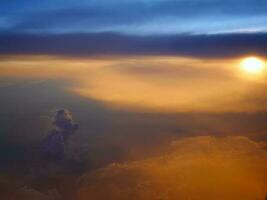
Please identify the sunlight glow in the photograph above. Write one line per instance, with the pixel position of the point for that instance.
(150, 84)
(253, 65)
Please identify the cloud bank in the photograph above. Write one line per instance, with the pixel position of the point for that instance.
(101, 44)
(193, 168)
(157, 83)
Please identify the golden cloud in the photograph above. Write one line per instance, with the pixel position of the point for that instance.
(204, 167)
(156, 84)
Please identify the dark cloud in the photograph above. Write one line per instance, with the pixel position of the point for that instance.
(219, 45)
(54, 144)
(26, 193)
(63, 120)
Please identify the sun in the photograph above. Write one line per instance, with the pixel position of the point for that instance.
(252, 65)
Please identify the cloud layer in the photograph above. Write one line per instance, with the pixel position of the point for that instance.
(194, 168)
(210, 46)
(136, 17)
(157, 83)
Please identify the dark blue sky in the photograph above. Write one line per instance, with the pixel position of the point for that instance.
(133, 16)
(198, 28)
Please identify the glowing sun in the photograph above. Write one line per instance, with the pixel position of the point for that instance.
(253, 65)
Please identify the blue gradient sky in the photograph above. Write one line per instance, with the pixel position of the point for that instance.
(133, 17)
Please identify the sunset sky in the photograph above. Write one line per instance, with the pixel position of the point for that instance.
(170, 98)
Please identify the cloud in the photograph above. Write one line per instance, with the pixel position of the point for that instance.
(132, 16)
(53, 145)
(63, 120)
(193, 168)
(149, 83)
(26, 193)
(81, 45)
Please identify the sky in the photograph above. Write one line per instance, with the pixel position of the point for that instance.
(169, 97)
(133, 17)
(195, 28)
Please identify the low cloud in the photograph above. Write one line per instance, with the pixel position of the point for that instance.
(193, 168)
(63, 120)
(26, 193)
(54, 144)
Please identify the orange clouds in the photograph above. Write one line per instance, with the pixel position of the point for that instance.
(155, 84)
(197, 168)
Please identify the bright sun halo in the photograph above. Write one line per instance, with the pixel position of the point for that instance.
(252, 65)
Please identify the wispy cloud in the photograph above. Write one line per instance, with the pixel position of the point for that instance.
(156, 83)
(134, 17)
